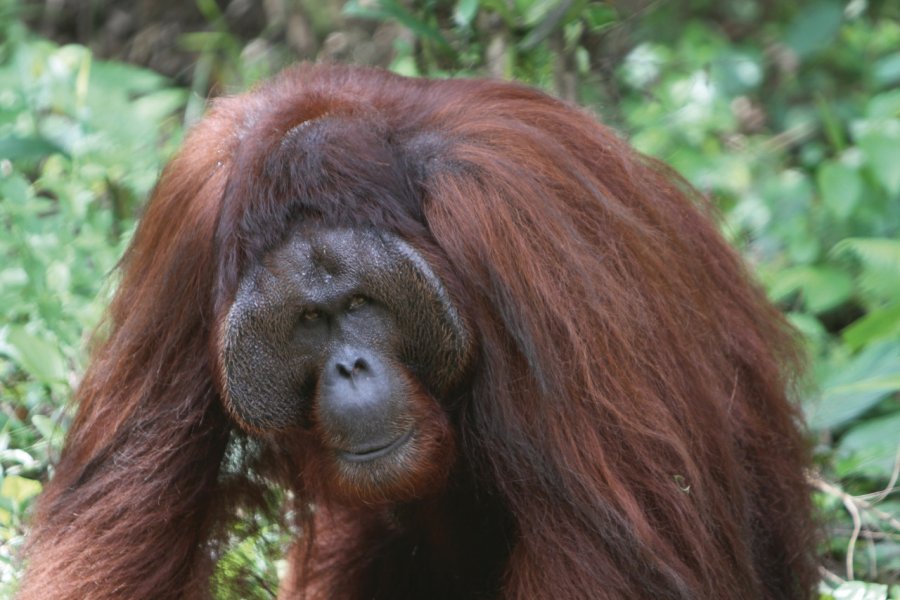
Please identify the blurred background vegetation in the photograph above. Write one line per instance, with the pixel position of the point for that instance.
(786, 113)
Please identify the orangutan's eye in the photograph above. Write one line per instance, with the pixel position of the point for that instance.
(356, 302)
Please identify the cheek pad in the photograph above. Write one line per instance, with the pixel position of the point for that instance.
(436, 343)
(263, 378)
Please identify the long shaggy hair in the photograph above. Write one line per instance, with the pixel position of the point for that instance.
(625, 432)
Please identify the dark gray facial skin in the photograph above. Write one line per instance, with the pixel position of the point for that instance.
(341, 327)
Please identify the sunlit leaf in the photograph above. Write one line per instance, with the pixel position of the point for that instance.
(19, 488)
(465, 12)
(880, 253)
(38, 357)
(860, 590)
(878, 324)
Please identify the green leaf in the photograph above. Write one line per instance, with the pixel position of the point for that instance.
(878, 324)
(815, 27)
(15, 188)
(158, 105)
(544, 22)
(39, 358)
(124, 78)
(808, 325)
(17, 148)
(860, 590)
(841, 188)
(879, 279)
(533, 12)
(465, 12)
(19, 488)
(885, 384)
(822, 288)
(599, 16)
(872, 445)
(886, 71)
(50, 429)
(854, 388)
(875, 253)
(884, 106)
(387, 10)
(405, 65)
(882, 150)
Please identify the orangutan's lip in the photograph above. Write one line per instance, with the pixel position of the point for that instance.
(373, 453)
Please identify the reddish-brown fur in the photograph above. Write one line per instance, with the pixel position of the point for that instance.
(626, 433)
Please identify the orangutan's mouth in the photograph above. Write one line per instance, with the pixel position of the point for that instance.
(371, 453)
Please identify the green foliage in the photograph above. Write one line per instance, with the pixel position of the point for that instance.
(81, 144)
(531, 40)
(223, 60)
(859, 590)
(254, 556)
(788, 114)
